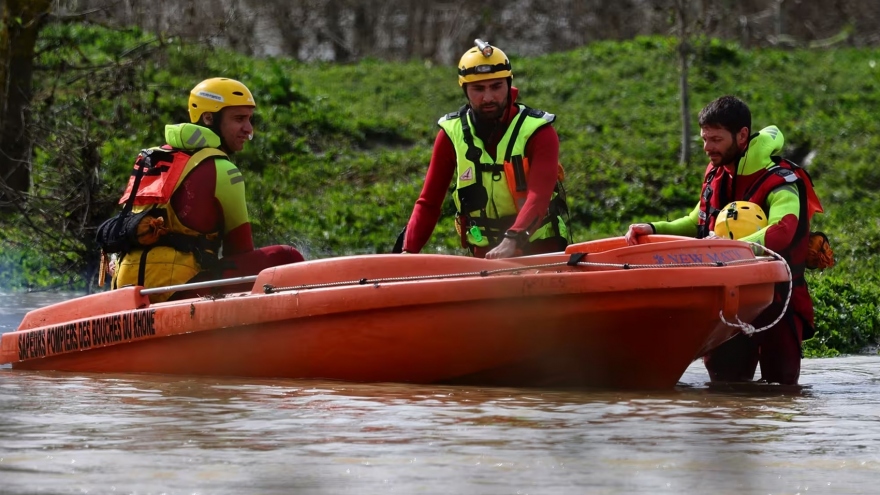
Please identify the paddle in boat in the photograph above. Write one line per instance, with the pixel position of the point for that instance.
(601, 314)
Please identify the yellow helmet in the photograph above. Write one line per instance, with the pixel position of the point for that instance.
(482, 62)
(216, 93)
(740, 219)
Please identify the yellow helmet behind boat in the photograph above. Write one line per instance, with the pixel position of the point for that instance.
(482, 62)
(740, 219)
(212, 95)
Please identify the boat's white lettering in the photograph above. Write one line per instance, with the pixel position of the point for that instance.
(725, 256)
(691, 258)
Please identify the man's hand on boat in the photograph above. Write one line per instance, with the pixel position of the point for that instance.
(635, 230)
(506, 249)
(639, 229)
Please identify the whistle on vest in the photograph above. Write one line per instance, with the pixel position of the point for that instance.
(475, 232)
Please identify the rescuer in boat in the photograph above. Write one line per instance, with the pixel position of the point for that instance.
(199, 195)
(746, 167)
(504, 157)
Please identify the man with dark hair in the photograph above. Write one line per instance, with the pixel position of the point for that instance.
(746, 167)
(728, 112)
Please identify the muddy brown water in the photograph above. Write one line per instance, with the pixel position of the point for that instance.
(66, 433)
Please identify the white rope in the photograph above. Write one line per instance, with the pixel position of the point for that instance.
(748, 328)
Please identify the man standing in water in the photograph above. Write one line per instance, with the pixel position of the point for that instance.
(744, 167)
(504, 157)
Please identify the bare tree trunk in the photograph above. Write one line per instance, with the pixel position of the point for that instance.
(285, 15)
(683, 53)
(21, 22)
(364, 29)
(422, 21)
(333, 10)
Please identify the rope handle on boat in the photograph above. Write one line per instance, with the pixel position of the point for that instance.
(748, 328)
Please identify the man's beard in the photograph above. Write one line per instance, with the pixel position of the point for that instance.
(730, 155)
(495, 112)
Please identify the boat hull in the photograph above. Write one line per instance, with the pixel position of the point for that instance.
(528, 325)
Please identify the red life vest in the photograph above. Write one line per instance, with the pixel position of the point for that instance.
(784, 172)
(776, 176)
(713, 198)
(163, 168)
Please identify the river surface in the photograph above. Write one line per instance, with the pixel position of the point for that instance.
(63, 433)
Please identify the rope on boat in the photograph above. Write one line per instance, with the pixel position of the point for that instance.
(748, 328)
(269, 289)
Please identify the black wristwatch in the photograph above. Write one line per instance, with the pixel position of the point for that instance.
(519, 236)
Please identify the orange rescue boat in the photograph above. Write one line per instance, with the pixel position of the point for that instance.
(602, 314)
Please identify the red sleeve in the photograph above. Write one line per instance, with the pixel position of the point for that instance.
(238, 240)
(197, 208)
(779, 235)
(542, 151)
(426, 212)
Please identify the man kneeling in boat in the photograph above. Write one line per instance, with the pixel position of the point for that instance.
(193, 199)
(504, 157)
(746, 167)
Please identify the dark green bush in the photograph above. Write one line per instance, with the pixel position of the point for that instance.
(847, 316)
